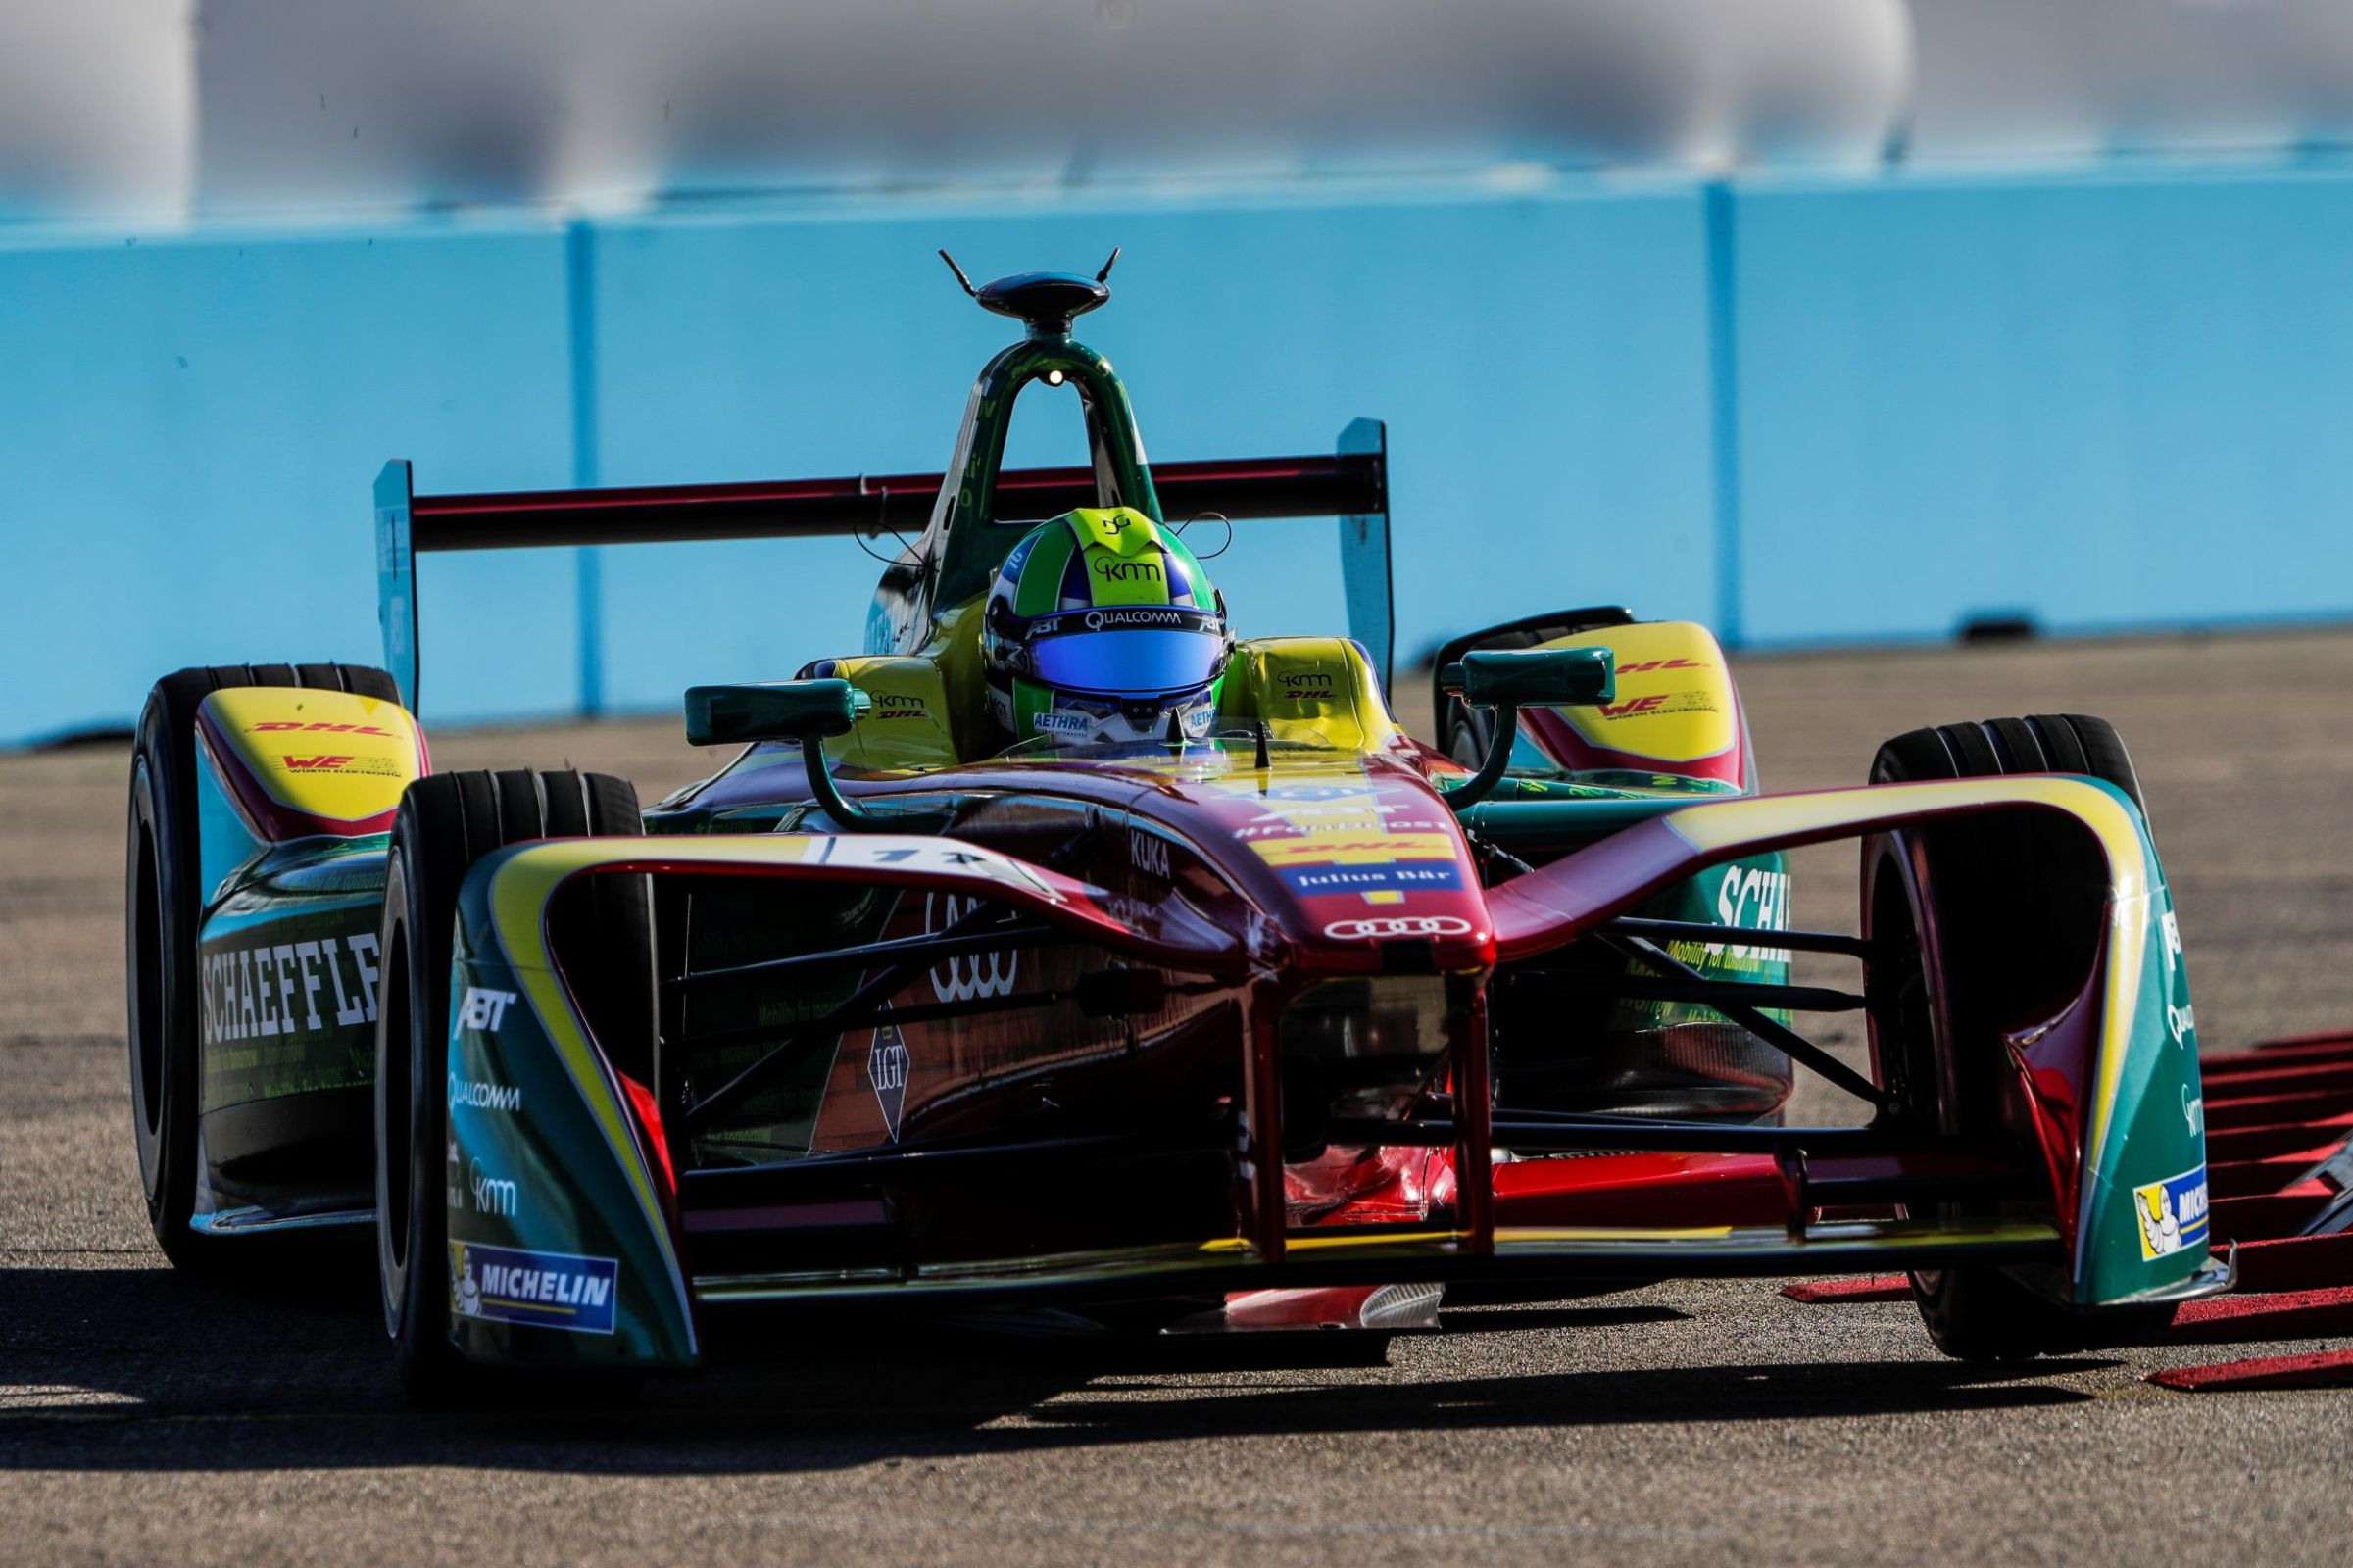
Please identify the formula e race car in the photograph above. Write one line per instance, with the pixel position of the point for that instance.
(1274, 1015)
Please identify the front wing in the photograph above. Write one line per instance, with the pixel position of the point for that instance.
(565, 1214)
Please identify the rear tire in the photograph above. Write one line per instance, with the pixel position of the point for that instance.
(446, 824)
(164, 905)
(2031, 882)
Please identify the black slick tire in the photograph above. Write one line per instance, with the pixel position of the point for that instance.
(446, 824)
(2030, 881)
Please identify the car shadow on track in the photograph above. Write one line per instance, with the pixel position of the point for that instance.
(144, 1369)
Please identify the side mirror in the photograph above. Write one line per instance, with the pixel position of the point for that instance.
(1532, 677)
(1507, 679)
(811, 711)
(787, 710)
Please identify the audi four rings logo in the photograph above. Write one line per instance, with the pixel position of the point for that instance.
(1399, 925)
(971, 976)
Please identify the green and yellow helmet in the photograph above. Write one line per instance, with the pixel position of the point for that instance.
(1102, 626)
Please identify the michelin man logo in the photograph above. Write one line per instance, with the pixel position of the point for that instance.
(2171, 1214)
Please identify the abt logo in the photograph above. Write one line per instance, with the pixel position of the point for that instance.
(1398, 925)
(483, 1010)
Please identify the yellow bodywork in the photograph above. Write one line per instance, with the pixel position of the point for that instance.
(929, 710)
(1675, 702)
(1313, 690)
(327, 754)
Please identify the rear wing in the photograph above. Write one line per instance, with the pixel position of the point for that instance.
(1349, 484)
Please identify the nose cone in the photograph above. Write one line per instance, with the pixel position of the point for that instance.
(1362, 868)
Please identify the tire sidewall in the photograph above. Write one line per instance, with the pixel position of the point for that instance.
(146, 980)
(412, 1123)
(159, 980)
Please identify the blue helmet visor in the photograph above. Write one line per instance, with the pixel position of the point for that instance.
(1128, 663)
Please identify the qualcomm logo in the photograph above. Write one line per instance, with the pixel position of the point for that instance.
(968, 977)
(471, 1095)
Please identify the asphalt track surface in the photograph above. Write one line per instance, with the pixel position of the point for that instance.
(149, 1419)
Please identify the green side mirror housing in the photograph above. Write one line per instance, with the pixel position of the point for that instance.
(1532, 677)
(785, 710)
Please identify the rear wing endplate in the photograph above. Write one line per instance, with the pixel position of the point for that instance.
(1349, 484)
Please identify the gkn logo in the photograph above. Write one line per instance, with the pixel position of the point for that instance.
(1308, 686)
(493, 1195)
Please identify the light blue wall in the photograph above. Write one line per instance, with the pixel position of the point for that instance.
(1541, 364)
(2107, 403)
(187, 432)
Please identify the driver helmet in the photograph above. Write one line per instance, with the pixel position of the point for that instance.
(1102, 626)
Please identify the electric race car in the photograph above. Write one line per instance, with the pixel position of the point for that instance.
(1063, 951)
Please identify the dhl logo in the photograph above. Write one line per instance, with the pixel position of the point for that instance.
(284, 724)
(1368, 849)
